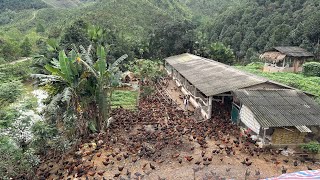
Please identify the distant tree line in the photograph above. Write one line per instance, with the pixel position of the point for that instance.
(17, 5)
(233, 32)
(258, 25)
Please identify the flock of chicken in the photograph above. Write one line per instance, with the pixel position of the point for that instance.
(139, 143)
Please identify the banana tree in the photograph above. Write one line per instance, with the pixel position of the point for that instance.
(67, 77)
(107, 77)
(84, 86)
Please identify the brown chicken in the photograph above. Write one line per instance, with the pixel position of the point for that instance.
(120, 168)
(99, 154)
(105, 163)
(188, 158)
(125, 156)
(101, 173)
(134, 160)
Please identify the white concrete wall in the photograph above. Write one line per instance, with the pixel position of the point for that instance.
(272, 69)
(247, 117)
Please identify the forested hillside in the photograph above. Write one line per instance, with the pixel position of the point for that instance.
(209, 9)
(131, 20)
(258, 25)
(61, 62)
(17, 5)
(66, 3)
(247, 26)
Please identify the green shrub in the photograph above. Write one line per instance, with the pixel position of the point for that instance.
(146, 91)
(14, 161)
(7, 116)
(42, 134)
(2, 61)
(311, 69)
(255, 65)
(9, 92)
(18, 71)
(312, 146)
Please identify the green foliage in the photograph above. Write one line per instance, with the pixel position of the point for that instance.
(9, 92)
(42, 133)
(261, 25)
(145, 69)
(17, 71)
(312, 146)
(174, 38)
(82, 87)
(75, 35)
(207, 10)
(146, 91)
(14, 162)
(9, 50)
(40, 28)
(65, 3)
(30, 103)
(7, 116)
(299, 81)
(26, 47)
(21, 4)
(311, 69)
(221, 53)
(96, 34)
(249, 27)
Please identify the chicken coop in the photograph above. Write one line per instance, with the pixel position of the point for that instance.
(278, 117)
(210, 83)
(269, 109)
(285, 59)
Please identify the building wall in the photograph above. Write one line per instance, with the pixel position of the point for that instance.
(283, 136)
(272, 69)
(247, 117)
(188, 89)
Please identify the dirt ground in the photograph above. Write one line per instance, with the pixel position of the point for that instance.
(140, 141)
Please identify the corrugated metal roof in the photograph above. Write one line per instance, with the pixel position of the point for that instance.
(293, 51)
(282, 107)
(303, 129)
(212, 77)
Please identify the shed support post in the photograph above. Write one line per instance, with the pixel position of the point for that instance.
(210, 107)
(264, 136)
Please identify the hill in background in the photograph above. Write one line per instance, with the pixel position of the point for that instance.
(18, 5)
(248, 26)
(66, 3)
